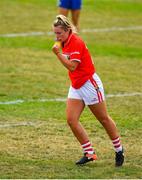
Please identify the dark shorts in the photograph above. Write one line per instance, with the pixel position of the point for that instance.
(70, 4)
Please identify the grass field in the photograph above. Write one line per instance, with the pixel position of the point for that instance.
(35, 141)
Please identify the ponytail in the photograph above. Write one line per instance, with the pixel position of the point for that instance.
(63, 21)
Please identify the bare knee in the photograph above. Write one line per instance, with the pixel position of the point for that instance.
(72, 122)
(104, 120)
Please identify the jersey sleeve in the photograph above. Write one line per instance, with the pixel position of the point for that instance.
(76, 52)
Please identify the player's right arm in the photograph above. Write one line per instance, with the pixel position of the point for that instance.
(70, 65)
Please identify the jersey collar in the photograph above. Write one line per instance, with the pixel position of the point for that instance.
(68, 40)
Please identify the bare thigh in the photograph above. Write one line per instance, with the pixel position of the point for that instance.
(99, 110)
(75, 16)
(63, 11)
(74, 109)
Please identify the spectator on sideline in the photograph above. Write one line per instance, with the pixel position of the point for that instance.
(74, 6)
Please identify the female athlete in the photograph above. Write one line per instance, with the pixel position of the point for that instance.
(86, 90)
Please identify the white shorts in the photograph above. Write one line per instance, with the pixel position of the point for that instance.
(92, 92)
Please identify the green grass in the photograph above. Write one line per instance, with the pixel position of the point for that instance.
(44, 147)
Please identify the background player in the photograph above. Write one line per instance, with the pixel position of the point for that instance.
(71, 5)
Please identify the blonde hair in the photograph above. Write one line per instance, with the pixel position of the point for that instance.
(63, 21)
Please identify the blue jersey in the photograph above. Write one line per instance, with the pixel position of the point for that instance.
(70, 4)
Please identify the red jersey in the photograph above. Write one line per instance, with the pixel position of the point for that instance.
(75, 50)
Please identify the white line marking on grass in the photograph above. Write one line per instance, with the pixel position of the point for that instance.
(20, 101)
(17, 124)
(26, 34)
(124, 95)
(97, 30)
(13, 102)
(129, 28)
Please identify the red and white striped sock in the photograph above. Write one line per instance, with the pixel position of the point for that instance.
(117, 144)
(87, 148)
